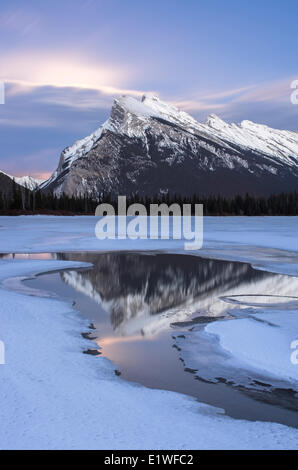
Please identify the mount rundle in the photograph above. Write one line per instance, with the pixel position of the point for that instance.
(149, 147)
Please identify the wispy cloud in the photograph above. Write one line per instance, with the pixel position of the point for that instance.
(69, 81)
(274, 91)
(26, 72)
(29, 122)
(226, 102)
(193, 105)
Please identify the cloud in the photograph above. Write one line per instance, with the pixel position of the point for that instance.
(193, 105)
(29, 71)
(275, 91)
(228, 93)
(211, 101)
(29, 122)
(67, 80)
(230, 103)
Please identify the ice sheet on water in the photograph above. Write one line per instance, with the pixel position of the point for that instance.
(252, 350)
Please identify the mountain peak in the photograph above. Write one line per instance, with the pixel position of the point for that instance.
(135, 106)
(148, 146)
(149, 97)
(152, 106)
(213, 119)
(246, 124)
(25, 181)
(159, 106)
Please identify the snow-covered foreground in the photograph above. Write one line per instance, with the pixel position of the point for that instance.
(53, 396)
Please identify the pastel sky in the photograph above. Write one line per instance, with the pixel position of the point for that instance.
(63, 62)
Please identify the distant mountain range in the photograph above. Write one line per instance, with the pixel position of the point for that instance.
(28, 181)
(23, 181)
(149, 147)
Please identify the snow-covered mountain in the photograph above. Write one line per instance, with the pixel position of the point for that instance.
(6, 185)
(25, 181)
(28, 181)
(150, 147)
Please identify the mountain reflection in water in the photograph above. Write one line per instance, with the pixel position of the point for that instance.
(145, 293)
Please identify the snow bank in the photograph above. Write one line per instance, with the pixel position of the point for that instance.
(261, 343)
(255, 352)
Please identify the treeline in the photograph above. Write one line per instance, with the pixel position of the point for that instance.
(277, 204)
(22, 200)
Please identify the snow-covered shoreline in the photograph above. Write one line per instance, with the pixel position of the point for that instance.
(262, 342)
(253, 352)
(54, 397)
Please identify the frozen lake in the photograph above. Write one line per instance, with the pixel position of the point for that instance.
(144, 307)
(216, 325)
